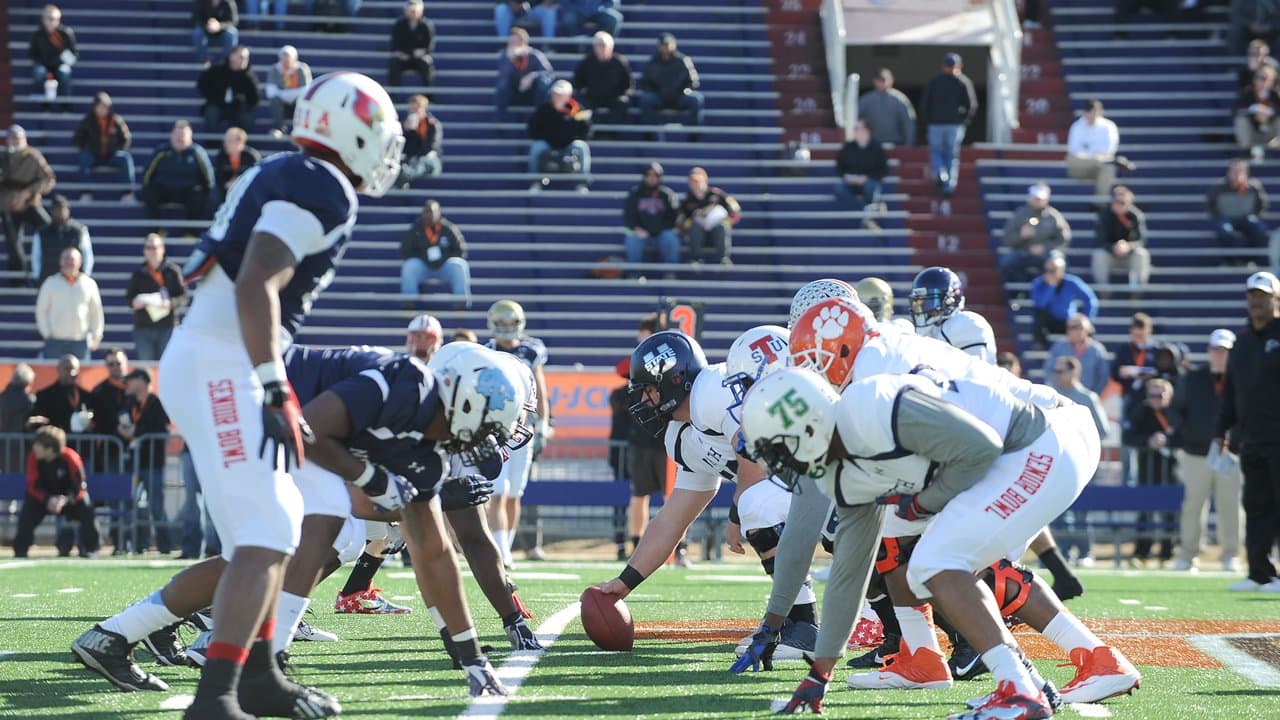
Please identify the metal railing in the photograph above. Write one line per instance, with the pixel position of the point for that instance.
(1004, 73)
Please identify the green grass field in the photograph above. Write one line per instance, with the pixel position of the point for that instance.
(393, 666)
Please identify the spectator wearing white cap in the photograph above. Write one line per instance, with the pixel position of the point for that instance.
(1250, 425)
(1206, 472)
(424, 337)
(1030, 234)
(284, 83)
(434, 250)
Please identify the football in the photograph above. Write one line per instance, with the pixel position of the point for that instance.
(607, 620)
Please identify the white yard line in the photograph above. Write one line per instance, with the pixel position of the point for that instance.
(518, 665)
(1242, 663)
(177, 702)
(15, 564)
(1090, 710)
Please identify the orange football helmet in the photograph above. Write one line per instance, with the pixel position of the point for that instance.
(828, 336)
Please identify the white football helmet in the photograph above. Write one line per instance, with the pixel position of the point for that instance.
(522, 434)
(755, 354)
(447, 353)
(481, 398)
(506, 320)
(353, 117)
(788, 419)
(814, 293)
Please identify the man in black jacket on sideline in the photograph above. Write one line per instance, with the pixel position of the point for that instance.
(230, 91)
(649, 214)
(947, 106)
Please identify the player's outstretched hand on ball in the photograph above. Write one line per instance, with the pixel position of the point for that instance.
(614, 587)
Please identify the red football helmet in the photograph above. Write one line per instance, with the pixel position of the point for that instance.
(828, 336)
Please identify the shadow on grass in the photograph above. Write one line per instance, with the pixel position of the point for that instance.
(64, 686)
(1250, 692)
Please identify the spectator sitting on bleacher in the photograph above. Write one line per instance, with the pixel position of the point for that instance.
(55, 486)
(1081, 346)
(1065, 374)
(422, 135)
(1120, 238)
(583, 17)
(1250, 19)
(141, 415)
(524, 74)
(1092, 143)
(670, 82)
(103, 138)
(1034, 230)
(230, 91)
(558, 128)
(285, 82)
(69, 310)
(603, 80)
(947, 106)
(707, 216)
(49, 241)
(1258, 57)
(154, 293)
(214, 24)
(350, 7)
(860, 168)
(1057, 295)
(25, 178)
(1236, 206)
(541, 13)
(232, 160)
(433, 249)
(179, 172)
(255, 8)
(887, 112)
(1146, 428)
(63, 403)
(413, 39)
(1257, 122)
(649, 214)
(53, 51)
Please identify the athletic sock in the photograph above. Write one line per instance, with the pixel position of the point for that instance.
(466, 644)
(1006, 666)
(635, 542)
(289, 611)
(1055, 563)
(1067, 632)
(500, 539)
(883, 608)
(361, 577)
(221, 673)
(917, 627)
(141, 618)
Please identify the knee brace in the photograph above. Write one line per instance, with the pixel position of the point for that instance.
(764, 540)
(894, 553)
(1010, 583)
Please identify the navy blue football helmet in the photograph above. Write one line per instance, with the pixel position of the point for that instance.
(935, 296)
(666, 362)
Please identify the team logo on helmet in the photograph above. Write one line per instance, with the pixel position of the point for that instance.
(657, 363)
(765, 350)
(830, 323)
(492, 383)
(366, 109)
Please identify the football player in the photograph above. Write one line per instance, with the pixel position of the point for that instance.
(506, 330)
(1000, 469)
(877, 295)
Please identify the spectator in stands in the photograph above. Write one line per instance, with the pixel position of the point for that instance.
(55, 486)
(230, 91)
(1092, 143)
(1057, 295)
(464, 335)
(16, 402)
(1197, 402)
(947, 106)
(69, 310)
(1170, 361)
(1257, 122)
(103, 139)
(422, 135)
(1258, 57)
(540, 13)
(603, 80)
(64, 404)
(232, 161)
(706, 219)
(860, 168)
(256, 8)
(1031, 233)
(49, 241)
(1146, 428)
(154, 293)
(558, 128)
(887, 112)
(413, 39)
(1089, 353)
(141, 416)
(53, 51)
(179, 172)
(350, 7)
(1251, 423)
(649, 214)
(284, 83)
(524, 74)
(214, 24)
(1251, 19)
(1121, 241)
(25, 178)
(583, 17)
(104, 404)
(433, 249)
(1236, 206)
(670, 82)
(1010, 362)
(1066, 380)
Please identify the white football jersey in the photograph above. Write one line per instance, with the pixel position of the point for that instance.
(704, 445)
(967, 331)
(708, 401)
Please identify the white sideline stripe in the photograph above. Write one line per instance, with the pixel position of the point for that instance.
(4, 654)
(1238, 661)
(1155, 607)
(1090, 710)
(761, 578)
(516, 668)
(25, 595)
(15, 564)
(70, 590)
(177, 702)
(1128, 601)
(515, 575)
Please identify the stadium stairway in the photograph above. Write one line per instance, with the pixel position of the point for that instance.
(540, 249)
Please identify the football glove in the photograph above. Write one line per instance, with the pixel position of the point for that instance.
(521, 637)
(759, 654)
(481, 678)
(395, 540)
(907, 507)
(282, 423)
(464, 491)
(388, 491)
(809, 694)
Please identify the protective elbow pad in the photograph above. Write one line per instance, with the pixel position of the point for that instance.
(765, 539)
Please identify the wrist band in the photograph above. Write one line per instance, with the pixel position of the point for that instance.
(630, 577)
(365, 476)
(270, 372)
(733, 514)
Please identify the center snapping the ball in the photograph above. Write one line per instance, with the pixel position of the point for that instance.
(607, 620)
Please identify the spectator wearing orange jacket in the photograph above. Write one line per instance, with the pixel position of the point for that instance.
(55, 486)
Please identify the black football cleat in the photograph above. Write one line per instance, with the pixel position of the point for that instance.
(874, 659)
(218, 707)
(111, 656)
(965, 662)
(164, 645)
(264, 691)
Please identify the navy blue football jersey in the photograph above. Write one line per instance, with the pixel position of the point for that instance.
(530, 350)
(308, 203)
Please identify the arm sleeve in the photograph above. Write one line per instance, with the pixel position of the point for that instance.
(297, 228)
(97, 322)
(33, 478)
(630, 213)
(126, 135)
(694, 81)
(1227, 416)
(86, 251)
(805, 518)
(75, 468)
(973, 100)
(42, 310)
(908, 119)
(855, 548)
(1088, 299)
(1113, 139)
(1100, 417)
(459, 242)
(173, 281)
(1073, 139)
(963, 446)
(1263, 201)
(37, 255)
